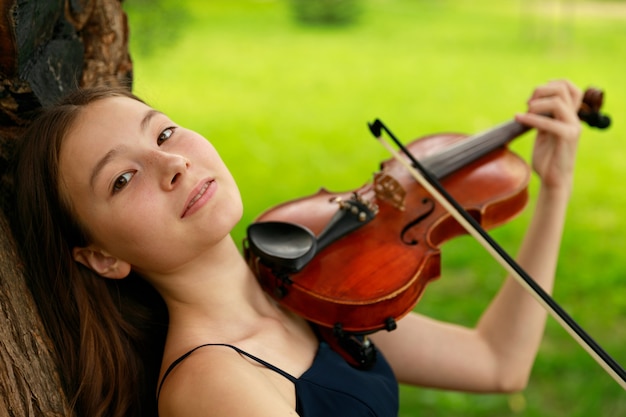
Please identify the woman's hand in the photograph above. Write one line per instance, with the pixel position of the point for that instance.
(557, 136)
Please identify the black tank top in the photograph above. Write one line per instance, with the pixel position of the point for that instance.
(331, 387)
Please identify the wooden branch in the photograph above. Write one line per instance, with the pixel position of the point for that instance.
(29, 382)
(47, 48)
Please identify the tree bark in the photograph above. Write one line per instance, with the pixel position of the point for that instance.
(47, 48)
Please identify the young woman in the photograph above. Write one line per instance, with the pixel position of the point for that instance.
(112, 195)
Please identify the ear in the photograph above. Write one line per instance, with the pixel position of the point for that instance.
(101, 262)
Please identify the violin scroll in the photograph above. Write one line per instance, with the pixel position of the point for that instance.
(589, 111)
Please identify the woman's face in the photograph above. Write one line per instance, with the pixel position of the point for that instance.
(149, 192)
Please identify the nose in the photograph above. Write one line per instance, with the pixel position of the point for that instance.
(170, 167)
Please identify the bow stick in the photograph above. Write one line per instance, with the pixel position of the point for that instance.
(432, 185)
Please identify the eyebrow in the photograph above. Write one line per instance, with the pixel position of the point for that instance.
(102, 162)
(147, 117)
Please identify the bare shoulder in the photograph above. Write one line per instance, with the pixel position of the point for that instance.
(218, 381)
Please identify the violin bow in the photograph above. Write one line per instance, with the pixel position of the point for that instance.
(434, 187)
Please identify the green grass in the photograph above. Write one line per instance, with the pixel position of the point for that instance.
(287, 107)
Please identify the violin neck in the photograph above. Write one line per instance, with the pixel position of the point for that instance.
(468, 150)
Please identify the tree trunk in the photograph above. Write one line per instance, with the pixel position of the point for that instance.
(47, 48)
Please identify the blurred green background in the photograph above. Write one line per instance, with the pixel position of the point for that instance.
(286, 101)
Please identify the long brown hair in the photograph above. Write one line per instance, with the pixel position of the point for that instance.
(108, 334)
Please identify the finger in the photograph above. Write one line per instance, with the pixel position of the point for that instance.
(556, 107)
(545, 124)
(560, 88)
(575, 93)
(550, 89)
(553, 127)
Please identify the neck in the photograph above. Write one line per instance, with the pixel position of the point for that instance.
(213, 292)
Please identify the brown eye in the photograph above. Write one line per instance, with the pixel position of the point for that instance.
(122, 181)
(165, 135)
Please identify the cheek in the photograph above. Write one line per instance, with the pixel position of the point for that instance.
(117, 234)
(138, 240)
(201, 148)
(132, 223)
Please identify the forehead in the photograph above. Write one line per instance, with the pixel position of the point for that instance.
(110, 111)
(99, 127)
(100, 123)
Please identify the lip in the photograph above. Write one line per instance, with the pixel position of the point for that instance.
(199, 196)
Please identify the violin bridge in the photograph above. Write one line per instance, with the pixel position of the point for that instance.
(389, 189)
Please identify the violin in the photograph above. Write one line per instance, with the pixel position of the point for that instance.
(355, 262)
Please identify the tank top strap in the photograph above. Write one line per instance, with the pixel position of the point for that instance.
(242, 352)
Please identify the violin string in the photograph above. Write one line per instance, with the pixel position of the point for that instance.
(461, 153)
(472, 148)
(466, 151)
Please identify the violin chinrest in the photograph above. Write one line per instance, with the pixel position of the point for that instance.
(286, 247)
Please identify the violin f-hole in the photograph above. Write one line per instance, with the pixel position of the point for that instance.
(430, 208)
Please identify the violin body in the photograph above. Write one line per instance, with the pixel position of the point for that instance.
(374, 275)
(352, 263)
